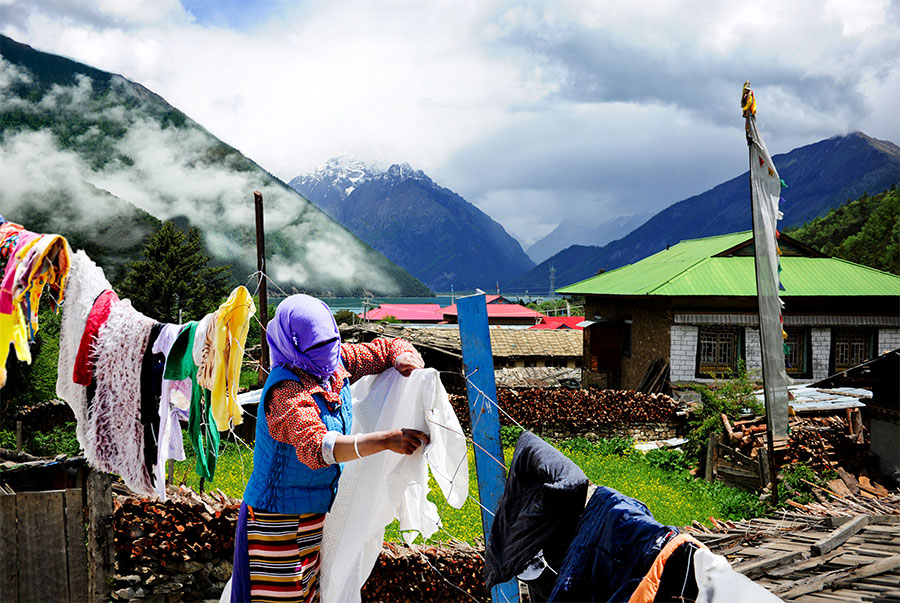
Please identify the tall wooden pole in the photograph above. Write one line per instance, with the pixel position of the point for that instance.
(263, 294)
(478, 365)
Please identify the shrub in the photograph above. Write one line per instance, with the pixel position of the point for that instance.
(509, 435)
(675, 461)
(732, 397)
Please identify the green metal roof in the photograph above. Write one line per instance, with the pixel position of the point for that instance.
(689, 269)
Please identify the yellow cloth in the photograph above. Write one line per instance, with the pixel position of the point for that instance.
(232, 322)
(13, 329)
(46, 261)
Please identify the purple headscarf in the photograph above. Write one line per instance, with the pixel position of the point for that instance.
(300, 323)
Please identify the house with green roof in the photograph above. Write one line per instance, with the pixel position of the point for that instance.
(694, 305)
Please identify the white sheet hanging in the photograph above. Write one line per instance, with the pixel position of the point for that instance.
(85, 282)
(377, 489)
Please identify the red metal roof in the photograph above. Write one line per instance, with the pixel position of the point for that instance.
(500, 310)
(560, 322)
(406, 312)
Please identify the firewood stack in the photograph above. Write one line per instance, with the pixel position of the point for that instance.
(582, 407)
(188, 527)
(822, 442)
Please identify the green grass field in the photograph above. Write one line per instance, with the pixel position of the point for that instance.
(674, 497)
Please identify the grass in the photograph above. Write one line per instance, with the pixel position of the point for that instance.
(671, 494)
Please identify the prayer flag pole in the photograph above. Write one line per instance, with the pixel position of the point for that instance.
(765, 195)
(478, 367)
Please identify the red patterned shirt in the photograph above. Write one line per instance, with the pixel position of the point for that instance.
(292, 414)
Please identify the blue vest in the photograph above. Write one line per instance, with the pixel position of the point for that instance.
(280, 483)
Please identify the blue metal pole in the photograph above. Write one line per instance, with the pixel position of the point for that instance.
(478, 365)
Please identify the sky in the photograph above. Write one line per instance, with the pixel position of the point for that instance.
(533, 111)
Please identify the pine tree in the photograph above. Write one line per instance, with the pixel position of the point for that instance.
(175, 273)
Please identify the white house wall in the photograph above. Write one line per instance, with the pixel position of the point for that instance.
(683, 352)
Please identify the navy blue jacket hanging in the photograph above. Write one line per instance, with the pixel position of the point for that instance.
(538, 511)
(617, 541)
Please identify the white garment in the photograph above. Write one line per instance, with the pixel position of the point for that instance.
(377, 489)
(115, 420)
(170, 444)
(719, 583)
(84, 283)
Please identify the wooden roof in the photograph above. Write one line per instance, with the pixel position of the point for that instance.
(505, 342)
(852, 557)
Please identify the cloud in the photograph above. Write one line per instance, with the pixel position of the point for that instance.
(582, 104)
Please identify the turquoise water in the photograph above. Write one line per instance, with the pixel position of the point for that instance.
(355, 304)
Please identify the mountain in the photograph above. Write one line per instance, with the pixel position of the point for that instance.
(579, 232)
(101, 160)
(865, 231)
(820, 176)
(429, 230)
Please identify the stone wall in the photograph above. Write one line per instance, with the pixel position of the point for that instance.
(888, 339)
(683, 353)
(821, 351)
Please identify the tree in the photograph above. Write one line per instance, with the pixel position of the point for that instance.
(174, 274)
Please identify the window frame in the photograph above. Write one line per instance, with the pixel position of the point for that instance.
(739, 343)
(871, 344)
(805, 371)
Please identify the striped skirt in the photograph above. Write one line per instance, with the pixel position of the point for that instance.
(283, 552)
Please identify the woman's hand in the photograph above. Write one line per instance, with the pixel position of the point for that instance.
(407, 362)
(401, 441)
(405, 441)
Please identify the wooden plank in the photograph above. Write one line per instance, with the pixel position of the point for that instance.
(759, 566)
(839, 536)
(878, 520)
(101, 538)
(873, 569)
(812, 563)
(41, 542)
(9, 574)
(710, 473)
(76, 545)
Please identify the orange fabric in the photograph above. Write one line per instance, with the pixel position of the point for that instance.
(646, 590)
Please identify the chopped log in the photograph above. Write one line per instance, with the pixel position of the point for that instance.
(728, 431)
(839, 536)
(848, 479)
(839, 487)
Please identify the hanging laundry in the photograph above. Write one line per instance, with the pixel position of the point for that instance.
(538, 512)
(83, 368)
(45, 263)
(174, 402)
(152, 365)
(86, 281)
(118, 438)
(202, 430)
(202, 350)
(377, 489)
(232, 323)
(616, 543)
(13, 328)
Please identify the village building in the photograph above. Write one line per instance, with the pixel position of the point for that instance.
(500, 311)
(694, 307)
(549, 357)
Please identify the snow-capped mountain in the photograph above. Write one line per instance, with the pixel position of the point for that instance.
(429, 230)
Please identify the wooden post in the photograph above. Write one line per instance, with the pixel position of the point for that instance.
(263, 293)
(18, 436)
(711, 456)
(101, 537)
(478, 366)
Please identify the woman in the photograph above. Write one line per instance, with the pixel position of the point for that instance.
(302, 429)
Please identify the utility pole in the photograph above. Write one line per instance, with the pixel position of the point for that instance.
(263, 293)
(552, 293)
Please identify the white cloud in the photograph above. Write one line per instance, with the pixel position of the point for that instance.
(492, 97)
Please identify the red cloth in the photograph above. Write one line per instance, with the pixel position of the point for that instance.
(293, 416)
(83, 371)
